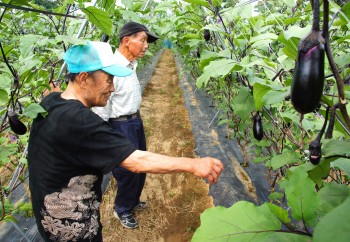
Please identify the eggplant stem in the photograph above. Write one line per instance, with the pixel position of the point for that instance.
(316, 15)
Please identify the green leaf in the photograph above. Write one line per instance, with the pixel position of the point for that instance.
(289, 3)
(4, 97)
(214, 27)
(109, 6)
(331, 196)
(217, 68)
(7, 205)
(17, 2)
(243, 103)
(296, 31)
(207, 57)
(33, 110)
(99, 18)
(29, 41)
(287, 157)
(276, 196)
(264, 37)
(281, 214)
(333, 147)
(6, 152)
(343, 164)
(259, 92)
(29, 64)
(200, 2)
(163, 6)
(334, 226)
(242, 222)
(239, 222)
(318, 172)
(70, 40)
(301, 195)
(274, 96)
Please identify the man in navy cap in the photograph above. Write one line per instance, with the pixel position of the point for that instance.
(71, 148)
(122, 112)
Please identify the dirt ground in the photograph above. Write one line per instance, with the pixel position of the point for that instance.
(176, 200)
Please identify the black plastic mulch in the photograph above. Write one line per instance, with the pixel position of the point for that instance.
(236, 183)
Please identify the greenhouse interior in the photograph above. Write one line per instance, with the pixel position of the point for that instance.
(232, 117)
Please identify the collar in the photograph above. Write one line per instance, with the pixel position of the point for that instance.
(125, 62)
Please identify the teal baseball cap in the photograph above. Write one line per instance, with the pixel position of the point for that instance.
(93, 56)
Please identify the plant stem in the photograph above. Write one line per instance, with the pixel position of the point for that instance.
(340, 85)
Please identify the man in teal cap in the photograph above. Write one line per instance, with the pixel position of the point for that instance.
(71, 148)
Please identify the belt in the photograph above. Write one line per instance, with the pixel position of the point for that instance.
(126, 117)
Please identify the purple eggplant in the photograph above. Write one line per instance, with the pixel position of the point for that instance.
(15, 124)
(258, 131)
(308, 78)
(207, 34)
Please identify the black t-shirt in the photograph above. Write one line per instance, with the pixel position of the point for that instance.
(69, 151)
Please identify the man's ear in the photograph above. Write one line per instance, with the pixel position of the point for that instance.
(126, 40)
(81, 79)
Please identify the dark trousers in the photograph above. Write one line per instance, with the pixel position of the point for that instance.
(129, 184)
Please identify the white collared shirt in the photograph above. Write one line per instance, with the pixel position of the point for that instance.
(126, 99)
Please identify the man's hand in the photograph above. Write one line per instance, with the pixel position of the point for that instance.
(209, 168)
(53, 88)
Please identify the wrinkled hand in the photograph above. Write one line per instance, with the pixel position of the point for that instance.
(53, 88)
(209, 168)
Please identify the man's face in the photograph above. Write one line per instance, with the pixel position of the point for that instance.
(137, 44)
(99, 88)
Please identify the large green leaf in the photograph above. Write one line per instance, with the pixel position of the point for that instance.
(214, 27)
(109, 6)
(33, 110)
(343, 164)
(333, 147)
(4, 97)
(207, 57)
(301, 195)
(334, 226)
(243, 103)
(70, 40)
(296, 31)
(287, 157)
(163, 6)
(217, 68)
(200, 2)
(242, 222)
(29, 41)
(99, 18)
(267, 94)
(331, 196)
(290, 3)
(345, 12)
(17, 2)
(7, 151)
(259, 91)
(264, 37)
(280, 213)
(274, 96)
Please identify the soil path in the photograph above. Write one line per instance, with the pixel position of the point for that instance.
(176, 200)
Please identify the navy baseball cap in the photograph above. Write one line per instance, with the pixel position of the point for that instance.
(133, 27)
